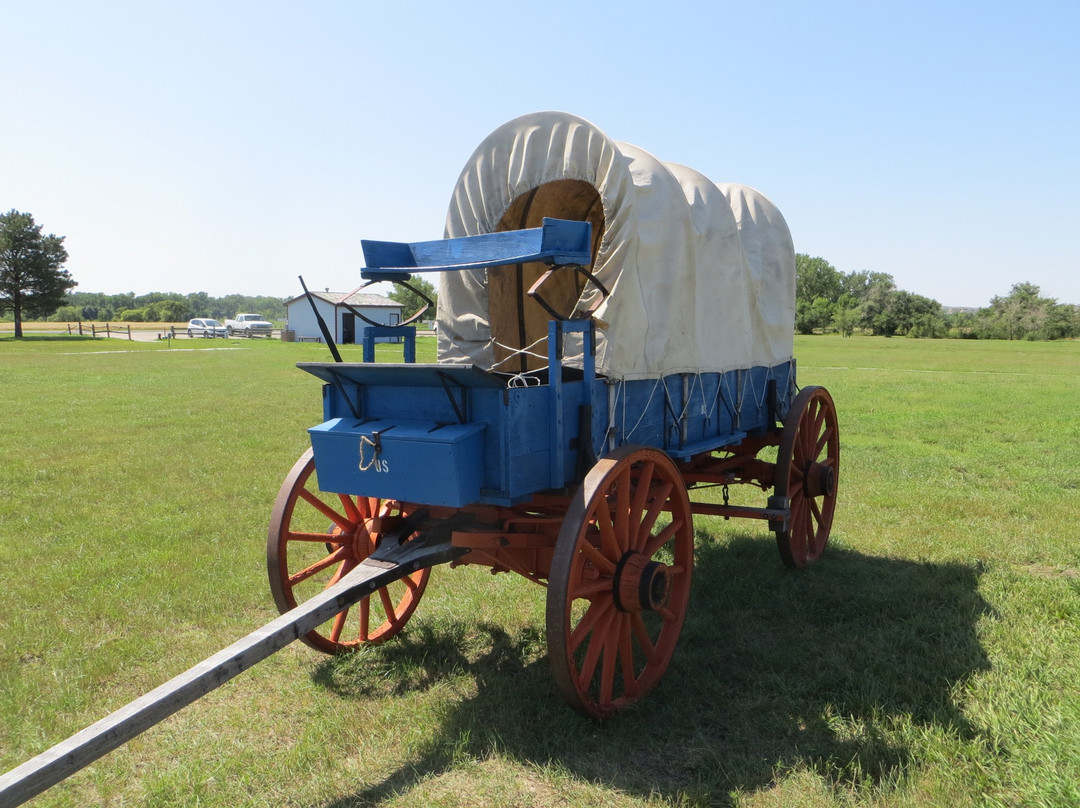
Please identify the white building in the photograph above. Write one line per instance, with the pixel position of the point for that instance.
(345, 327)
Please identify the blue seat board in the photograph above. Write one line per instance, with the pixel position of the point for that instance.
(558, 241)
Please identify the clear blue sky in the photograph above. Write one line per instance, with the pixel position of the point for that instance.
(230, 146)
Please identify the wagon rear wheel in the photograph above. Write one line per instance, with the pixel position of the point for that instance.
(620, 581)
(315, 538)
(807, 472)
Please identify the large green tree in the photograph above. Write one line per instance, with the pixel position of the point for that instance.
(33, 281)
(1025, 314)
(816, 277)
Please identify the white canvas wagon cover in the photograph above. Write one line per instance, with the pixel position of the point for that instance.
(701, 276)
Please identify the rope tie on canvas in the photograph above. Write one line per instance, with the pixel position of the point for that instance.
(516, 352)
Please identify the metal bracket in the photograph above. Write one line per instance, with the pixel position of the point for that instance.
(782, 504)
(428, 303)
(460, 410)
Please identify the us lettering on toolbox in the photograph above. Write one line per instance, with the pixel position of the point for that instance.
(374, 464)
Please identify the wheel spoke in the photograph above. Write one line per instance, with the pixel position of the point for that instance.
(604, 564)
(347, 566)
(326, 510)
(317, 538)
(818, 420)
(823, 442)
(626, 656)
(590, 591)
(662, 538)
(649, 520)
(798, 509)
(608, 540)
(645, 642)
(593, 652)
(365, 619)
(622, 510)
(339, 624)
(388, 605)
(588, 622)
(641, 487)
(334, 557)
(610, 657)
(351, 511)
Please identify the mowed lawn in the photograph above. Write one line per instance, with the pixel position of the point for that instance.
(931, 658)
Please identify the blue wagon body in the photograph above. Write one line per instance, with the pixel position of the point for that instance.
(458, 435)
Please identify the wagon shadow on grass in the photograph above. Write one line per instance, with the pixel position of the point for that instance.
(775, 670)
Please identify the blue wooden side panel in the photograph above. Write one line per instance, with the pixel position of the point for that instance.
(687, 414)
(477, 442)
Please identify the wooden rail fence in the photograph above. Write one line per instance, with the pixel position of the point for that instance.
(94, 330)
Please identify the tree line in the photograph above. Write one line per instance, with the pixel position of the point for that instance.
(827, 300)
(172, 307)
(162, 307)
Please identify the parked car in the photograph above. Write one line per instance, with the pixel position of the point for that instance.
(206, 328)
(250, 325)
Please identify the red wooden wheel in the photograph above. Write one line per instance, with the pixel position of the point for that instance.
(807, 472)
(620, 581)
(315, 538)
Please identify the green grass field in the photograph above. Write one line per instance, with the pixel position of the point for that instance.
(931, 658)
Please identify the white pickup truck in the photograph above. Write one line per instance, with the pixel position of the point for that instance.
(249, 325)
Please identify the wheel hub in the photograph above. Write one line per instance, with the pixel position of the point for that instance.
(361, 540)
(366, 536)
(641, 585)
(820, 480)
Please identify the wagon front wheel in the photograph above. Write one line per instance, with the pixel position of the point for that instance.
(807, 472)
(315, 538)
(620, 581)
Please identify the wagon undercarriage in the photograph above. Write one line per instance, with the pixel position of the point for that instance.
(615, 551)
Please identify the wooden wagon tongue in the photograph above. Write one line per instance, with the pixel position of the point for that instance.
(393, 560)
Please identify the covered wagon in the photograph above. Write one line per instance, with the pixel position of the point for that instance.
(615, 334)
